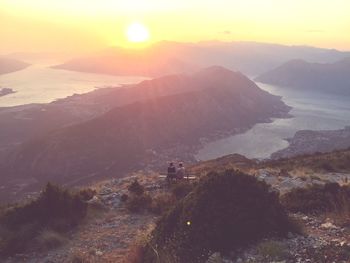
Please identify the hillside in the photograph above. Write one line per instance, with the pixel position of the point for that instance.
(330, 78)
(167, 57)
(146, 132)
(308, 142)
(22, 123)
(8, 65)
(115, 231)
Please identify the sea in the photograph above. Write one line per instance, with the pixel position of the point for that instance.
(311, 111)
(41, 84)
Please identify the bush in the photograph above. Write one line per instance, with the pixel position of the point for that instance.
(330, 197)
(224, 212)
(55, 208)
(136, 188)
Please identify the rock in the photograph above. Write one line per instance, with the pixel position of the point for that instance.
(328, 225)
(105, 191)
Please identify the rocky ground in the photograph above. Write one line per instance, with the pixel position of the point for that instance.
(323, 242)
(109, 232)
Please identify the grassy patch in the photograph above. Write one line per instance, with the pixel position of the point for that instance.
(330, 197)
(55, 211)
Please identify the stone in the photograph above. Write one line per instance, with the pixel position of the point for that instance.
(328, 225)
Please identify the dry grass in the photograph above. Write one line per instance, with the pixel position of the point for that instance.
(137, 249)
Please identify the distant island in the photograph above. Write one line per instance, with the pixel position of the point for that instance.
(9, 65)
(6, 91)
(309, 142)
(328, 78)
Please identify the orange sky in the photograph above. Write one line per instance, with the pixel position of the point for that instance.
(84, 25)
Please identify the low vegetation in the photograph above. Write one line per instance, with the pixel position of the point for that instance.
(138, 200)
(336, 161)
(41, 222)
(224, 212)
(330, 197)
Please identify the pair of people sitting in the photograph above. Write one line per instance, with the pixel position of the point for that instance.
(176, 174)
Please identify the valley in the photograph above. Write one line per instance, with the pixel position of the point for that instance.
(130, 128)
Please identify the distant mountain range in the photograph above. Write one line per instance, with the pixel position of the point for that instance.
(8, 65)
(160, 114)
(172, 57)
(299, 74)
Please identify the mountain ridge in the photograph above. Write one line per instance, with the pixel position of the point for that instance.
(169, 57)
(127, 136)
(299, 74)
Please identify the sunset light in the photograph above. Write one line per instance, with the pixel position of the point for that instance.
(137, 33)
(208, 127)
(91, 24)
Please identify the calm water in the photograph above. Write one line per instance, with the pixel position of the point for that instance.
(310, 111)
(41, 84)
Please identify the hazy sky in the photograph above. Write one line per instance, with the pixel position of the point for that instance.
(82, 25)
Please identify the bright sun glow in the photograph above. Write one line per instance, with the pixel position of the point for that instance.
(137, 33)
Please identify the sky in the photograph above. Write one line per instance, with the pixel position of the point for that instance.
(84, 25)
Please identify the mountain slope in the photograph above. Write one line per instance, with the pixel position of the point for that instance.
(309, 142)
(123, 138)
(8, 65)
(299, 74)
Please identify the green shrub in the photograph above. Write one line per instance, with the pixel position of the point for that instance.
(224, 212)
(55, 208)
(136, 188)
(330, 197)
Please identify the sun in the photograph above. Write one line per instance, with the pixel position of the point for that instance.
(137, 33)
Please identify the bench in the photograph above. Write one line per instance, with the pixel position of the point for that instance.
(187, 177)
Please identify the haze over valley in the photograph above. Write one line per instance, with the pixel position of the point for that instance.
(181, 131)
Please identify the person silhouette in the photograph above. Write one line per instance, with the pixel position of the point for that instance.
(181, 172)
(171, 171)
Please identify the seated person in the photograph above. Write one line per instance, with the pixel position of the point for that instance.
(180, 173)
(171, 171)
